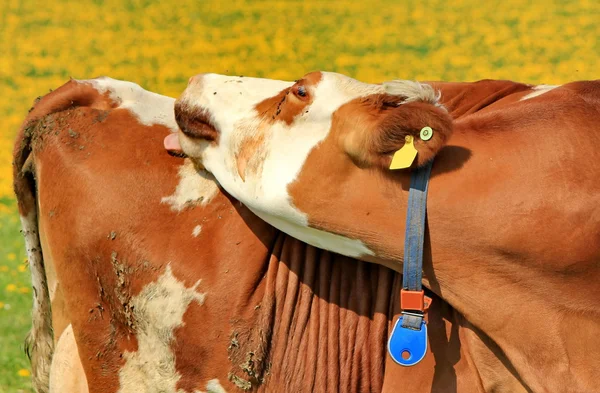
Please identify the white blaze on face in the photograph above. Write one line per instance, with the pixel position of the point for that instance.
(230, 98)
(231, 102)
(284, 148)
(158, 310)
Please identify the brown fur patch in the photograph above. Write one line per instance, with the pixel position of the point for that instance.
(289, 103)
(247, 158)
(373, 128)
(464, 98)
(39, 123)
(409, 119)
(69, 95)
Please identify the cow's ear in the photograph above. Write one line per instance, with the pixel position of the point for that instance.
(410, 134)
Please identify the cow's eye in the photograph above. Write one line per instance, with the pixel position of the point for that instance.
(301, 92)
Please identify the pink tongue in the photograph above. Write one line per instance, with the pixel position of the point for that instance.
(172, 143)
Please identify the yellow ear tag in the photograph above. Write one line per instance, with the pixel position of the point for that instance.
(404, 157)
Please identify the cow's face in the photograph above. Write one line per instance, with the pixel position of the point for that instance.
(309, 155)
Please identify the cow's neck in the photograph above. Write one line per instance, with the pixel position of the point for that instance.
(464, 98)
(488, 254)
(492, 259)
(323, 320)
(505, 246)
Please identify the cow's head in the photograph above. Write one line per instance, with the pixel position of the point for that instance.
(312, 157)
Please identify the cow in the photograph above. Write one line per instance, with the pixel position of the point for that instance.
(148, 277)
(513, 214)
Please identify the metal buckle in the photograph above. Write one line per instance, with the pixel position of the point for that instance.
(413, 313)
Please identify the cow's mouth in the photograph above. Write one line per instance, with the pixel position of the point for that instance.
(176, 153)
(195, 122)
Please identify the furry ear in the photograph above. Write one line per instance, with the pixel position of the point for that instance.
(428, 124)
(377, 126)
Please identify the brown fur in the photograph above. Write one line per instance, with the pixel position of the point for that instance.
(465, 98)
(409, 119)
(247, 159)
(273, 109)
(513, 223)
(35, 129)
(371, 129)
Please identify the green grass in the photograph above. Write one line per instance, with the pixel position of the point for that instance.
(15, 302)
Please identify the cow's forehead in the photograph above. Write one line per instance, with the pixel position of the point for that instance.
(322, 81)
(334, 90)
(348, 85)
(335, 86)
(244, 82)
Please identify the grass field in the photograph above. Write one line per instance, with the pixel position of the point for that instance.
(161, 45)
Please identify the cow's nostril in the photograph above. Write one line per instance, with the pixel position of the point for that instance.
(195, 122)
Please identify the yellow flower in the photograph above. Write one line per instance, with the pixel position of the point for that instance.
(3, 268)
(11, 288)
(24, 290)
(12, 256)
(1, 305)
(371, 40)
(22, 268)
(23, 373)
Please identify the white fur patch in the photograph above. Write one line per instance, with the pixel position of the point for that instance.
(329, 241)
(197, 230)
(158, 311)
(66, 372)
(413, 91)
(538, 91)
(150, 108)
(214, 386)
(194, 188)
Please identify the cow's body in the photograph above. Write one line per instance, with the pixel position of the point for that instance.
(159, 282)
(513, 216)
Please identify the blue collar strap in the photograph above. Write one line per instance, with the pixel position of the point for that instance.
(408, 342)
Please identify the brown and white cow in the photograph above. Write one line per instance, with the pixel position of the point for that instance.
(148, 278)
(513, 211)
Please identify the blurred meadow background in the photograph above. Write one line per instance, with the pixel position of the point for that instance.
(160, 45)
